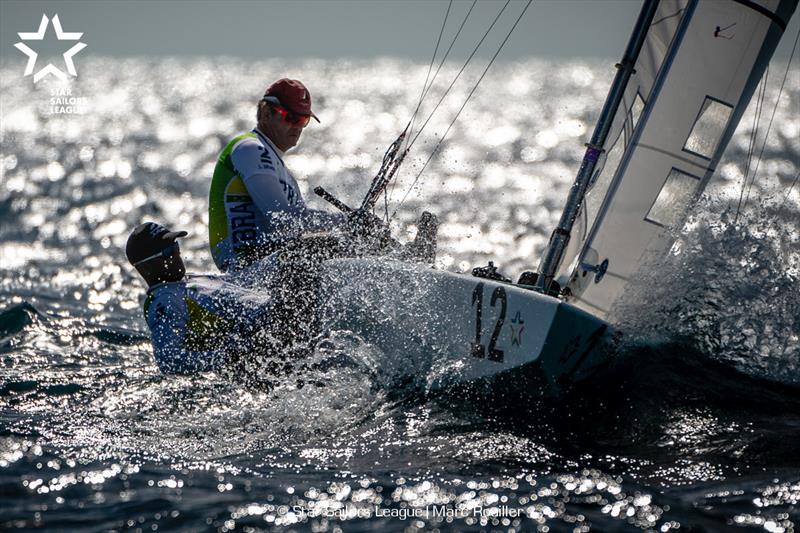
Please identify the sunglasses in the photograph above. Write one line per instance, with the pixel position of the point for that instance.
(166, 252)
(289, 117)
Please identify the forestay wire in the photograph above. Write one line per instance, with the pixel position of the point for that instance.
(463, 105)
(789, 190)
(797, 176)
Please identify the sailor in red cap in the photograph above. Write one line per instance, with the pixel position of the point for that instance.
(255, 205)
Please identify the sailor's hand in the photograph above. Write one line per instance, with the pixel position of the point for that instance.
(364, 223)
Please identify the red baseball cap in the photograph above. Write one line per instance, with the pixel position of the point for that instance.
(292, 95)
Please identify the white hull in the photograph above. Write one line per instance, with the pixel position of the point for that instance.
(457, 328)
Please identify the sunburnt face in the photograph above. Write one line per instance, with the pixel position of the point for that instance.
(284, 134)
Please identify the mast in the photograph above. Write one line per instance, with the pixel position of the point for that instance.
(561, 234)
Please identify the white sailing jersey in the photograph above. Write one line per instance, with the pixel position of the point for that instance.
(255, 205)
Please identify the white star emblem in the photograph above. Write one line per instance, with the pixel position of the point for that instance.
(50, 68)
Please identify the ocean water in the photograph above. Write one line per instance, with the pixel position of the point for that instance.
(694, 427)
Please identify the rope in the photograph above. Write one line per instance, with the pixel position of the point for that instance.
(774, 109)
(413, 140)
(464, 66)
(752, 144)
(797, 176)
(766, 136)
(762, 99)
(474, 88)
(410, 126)
(789, 190)
(461, 27)
(426, 86)
(430, 67)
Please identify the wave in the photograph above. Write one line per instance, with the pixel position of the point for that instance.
(729, 289)
(16, 318)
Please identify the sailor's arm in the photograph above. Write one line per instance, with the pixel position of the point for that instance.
(272, 192)
(270, 196)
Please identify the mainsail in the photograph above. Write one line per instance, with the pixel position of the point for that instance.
(698, 67)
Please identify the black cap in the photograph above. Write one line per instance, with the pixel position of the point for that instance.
(149, 239)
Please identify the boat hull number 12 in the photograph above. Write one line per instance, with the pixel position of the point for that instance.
(498, 299)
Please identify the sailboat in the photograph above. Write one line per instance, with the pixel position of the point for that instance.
(685, 79)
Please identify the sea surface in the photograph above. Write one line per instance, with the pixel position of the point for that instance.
(695, 426)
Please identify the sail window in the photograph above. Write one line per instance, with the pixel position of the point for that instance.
(612, 155)
(673, 199)
(632, 118)
(636, 109)
(708, 128)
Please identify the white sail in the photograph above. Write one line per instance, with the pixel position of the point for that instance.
(697, 70)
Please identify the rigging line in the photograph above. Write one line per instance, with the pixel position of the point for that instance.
(410, 125)
(788, 192)
(430, 67)
(474, 88)
(463, 22)
(462, 70)
(411, 140)
(751, 150)
(761, 99)
(774, 109)
(751, 145)
(426, 87)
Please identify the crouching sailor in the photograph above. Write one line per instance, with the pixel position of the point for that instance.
(197, 323)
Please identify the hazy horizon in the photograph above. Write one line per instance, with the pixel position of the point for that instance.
(326, 29)
(322, 29)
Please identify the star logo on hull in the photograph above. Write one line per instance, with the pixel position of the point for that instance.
(33, 55)
(517, 326)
